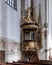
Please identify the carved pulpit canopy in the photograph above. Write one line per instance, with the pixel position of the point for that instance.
(28, 21)
(28, 18)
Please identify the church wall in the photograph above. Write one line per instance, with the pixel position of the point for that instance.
(10, 28)
(10, 19)
(49, 41)
(42, 54)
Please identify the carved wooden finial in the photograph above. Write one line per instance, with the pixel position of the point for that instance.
(29, 11)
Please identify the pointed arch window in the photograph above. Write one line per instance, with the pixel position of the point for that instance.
(12, 3)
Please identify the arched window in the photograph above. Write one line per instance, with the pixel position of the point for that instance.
(12, 3)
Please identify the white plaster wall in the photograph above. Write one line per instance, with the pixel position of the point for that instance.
(9, 27)
(10, 20)
(12, 52)
(49, 32)
(49, 43)
(13, 25)
(36, 6)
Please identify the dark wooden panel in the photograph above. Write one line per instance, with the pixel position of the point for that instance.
(2, 56)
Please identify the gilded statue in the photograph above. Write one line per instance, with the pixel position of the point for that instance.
(27, 18)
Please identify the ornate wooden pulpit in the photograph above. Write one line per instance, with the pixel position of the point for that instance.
(29, 29)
